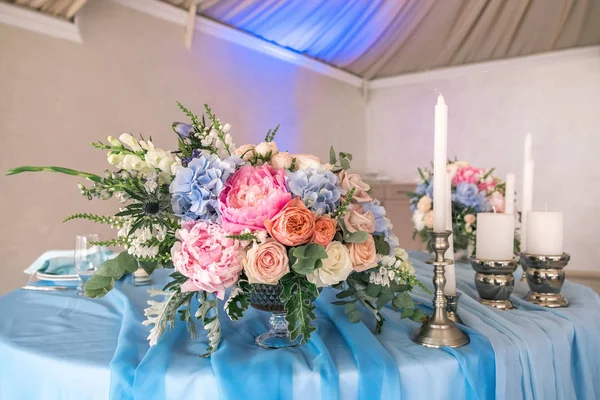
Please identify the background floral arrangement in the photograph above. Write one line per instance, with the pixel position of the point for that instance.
(473, 190)
(226, 217)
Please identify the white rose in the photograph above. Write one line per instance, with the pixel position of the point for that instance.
(265, 148)
(282, 160)
(245, 152)
(336, 267)
(418, 219)
(115, 159)
(307, 161)
(401, 254)
(130, 141)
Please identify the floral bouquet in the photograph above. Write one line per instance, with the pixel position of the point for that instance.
(473, 189)
(264, 227)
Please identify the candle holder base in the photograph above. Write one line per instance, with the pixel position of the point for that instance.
(545, 277)
(436, 334)
(550, 300)
(495, 282)
(499, 304)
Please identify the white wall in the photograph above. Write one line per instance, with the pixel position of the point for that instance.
(490, 110)
(57, 96)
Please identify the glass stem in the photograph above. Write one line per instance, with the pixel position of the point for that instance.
(279, 326)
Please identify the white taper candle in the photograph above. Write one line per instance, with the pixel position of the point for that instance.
(439, 165)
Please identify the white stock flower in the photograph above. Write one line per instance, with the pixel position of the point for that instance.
(115, 159)
(130, 141)
(114, 141)
(336, 267)
(418, 219)
(265, 148)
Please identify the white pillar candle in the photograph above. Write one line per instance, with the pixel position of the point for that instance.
(450, 288)
(440, 159)
(509, 197)
(495, 236)
(545, 233)
(527, 195)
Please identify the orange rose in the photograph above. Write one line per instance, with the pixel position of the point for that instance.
(356, 219)
(363, 255)
(325, 228)
(293, 225)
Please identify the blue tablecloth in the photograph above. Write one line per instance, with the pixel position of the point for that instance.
(62, 346)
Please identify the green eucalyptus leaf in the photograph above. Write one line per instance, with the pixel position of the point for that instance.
(346, 293)
(418, 315)
(357, 237)
(304, 266)
(373, 290)
(407, 312)
(311, 250)
(344, 163)
(384, 298)
(352, 313)
(98, 282)
(127, 262)
(332, 157)
(149, 266)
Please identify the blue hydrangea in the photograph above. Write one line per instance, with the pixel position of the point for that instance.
(422, 189)
(468, 195)
(196, 188)
(318, 189)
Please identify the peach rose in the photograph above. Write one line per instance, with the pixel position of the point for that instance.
(469, 219)
(293, 225)
(424, 204)
(363, 255)
(349, 181)
(429, 219)
(325, 228)
(282, 160)
(356, 219)
(266, 263)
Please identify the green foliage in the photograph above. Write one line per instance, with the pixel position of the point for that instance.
(307, 258)
(108, 272)
(270, 136)
(356, 237)
(340, 162)
(297, 295)
(381, 245)
(239, 300)
(61, 170)
(100, 219)
(341, 210)
(208, 313)
(244, 236)
(352, 312)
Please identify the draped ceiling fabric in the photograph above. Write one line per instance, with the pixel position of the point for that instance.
(382, 38)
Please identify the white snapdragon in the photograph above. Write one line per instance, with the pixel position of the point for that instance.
(137, 244)
(114, 141)
(130, 141)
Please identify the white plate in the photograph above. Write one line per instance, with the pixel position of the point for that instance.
(55, 278)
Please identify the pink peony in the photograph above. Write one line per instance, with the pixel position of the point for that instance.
(468, 174)
(497, 202)
(204, 254)
(251, 196)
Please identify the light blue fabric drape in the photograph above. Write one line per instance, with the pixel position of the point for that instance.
(62, 346)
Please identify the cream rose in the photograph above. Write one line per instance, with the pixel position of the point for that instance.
(363, 255)
(282, 160)
(469, 219)
(428, 219)
(424, 204)
(266, 263)
(245, 152)
(266, 148)
(336, 267)
(356, 219)
(349, 181)
(307, 161)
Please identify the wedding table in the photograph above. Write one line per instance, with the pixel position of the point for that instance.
(58, 345)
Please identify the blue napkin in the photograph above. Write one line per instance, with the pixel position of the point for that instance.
(58, 262)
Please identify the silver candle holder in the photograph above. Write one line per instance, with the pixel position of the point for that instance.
(495, 282)
(545, 277)
(438, 330)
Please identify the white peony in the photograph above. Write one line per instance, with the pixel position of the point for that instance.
(282, 160)
(336, 267)
(265, 148)
(307, 161)
(418, 219)
(130, 141)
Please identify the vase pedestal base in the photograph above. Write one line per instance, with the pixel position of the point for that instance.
(278, 336)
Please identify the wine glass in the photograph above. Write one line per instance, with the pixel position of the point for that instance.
(88, 256)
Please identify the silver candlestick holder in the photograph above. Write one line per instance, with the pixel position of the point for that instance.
(452, 308)
(439, 330)
(495, 282)
(545, 277)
